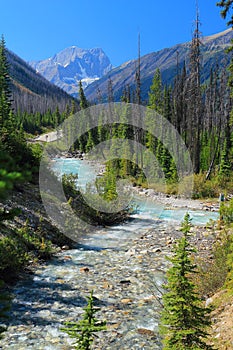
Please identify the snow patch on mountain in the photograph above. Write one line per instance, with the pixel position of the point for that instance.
(66, 68)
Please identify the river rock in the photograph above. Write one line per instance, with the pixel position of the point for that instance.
(125, 267)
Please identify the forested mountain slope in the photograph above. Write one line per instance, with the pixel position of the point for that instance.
(167, 60)
(32, 92)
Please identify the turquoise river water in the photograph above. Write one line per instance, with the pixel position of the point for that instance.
(123, 264)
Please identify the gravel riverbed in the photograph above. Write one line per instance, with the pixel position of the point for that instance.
(125, 267)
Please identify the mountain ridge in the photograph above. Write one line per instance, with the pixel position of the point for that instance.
(30, 91)
(213, 50)
(67, 67)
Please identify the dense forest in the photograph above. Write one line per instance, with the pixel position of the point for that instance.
(201, 113)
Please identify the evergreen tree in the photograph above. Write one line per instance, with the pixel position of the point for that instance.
(138, 74)
(83, 101)
(5, 93)
(155, 103)
(84, 330)
(90, 141)
(156, 94)
(167, 162)
(56, 118)
(81, 143)
(125, 163)
(126, 94)
(184, 320)
(179, 100)
(194, 107)
(226, 7)
(110, 91)
(99, 95)
(225, 164)
(73, 108)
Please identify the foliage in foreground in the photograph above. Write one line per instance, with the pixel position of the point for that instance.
(85, 330)
(226, 212)
(184, 320)
(4, 308)
(212, 272)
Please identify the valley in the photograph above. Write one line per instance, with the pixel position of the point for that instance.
(116, 181)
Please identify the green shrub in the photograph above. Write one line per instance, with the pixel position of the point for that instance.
(212, 273)
(34, 241)
(226, 212)
(12, 255)
(204, 188)
(229, 279)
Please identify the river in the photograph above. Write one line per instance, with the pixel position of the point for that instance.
(123, 264)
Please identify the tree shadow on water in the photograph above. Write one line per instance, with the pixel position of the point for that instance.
(43, 302)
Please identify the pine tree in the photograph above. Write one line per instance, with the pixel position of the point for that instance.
(99, 95)
(73, 107)
(226, 6)
(84, 330)
(155, 103)
(83, 101)
(184, 320)
(5, 93)
(126, 95)
(167, 162)
(81, 143)
(194, 107)
(138, 74)
(179, 101)
(225, 164)
(156, 94)
(56, 118)
(110, 91)
(90, 141)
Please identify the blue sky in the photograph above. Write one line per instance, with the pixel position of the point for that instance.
(37, 29)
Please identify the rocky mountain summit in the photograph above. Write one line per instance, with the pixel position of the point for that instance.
(66, 68)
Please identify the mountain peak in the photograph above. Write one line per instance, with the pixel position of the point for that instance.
(72, 64)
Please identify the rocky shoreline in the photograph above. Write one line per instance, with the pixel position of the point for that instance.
(124, 265)
(174, 201)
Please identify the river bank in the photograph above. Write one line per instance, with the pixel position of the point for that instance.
(29, 233)
(175, 201)
(124, 265)
(33, 216)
